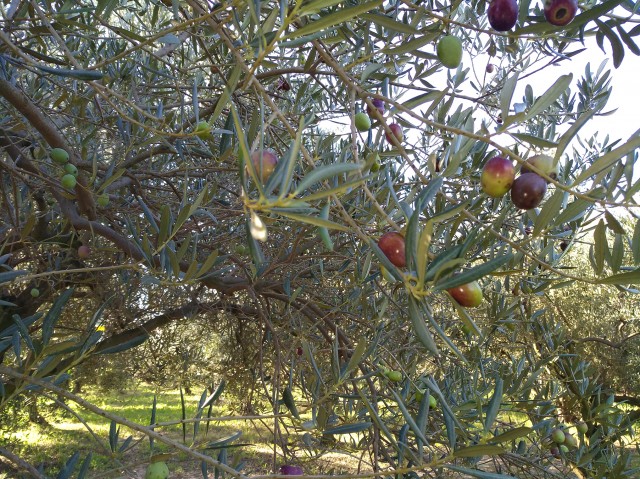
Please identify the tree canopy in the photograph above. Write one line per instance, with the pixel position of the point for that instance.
(184, 180)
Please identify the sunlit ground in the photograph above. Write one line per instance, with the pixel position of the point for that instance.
(55, 442)
(52, 444)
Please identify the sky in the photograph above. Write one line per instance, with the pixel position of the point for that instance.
(625, 96)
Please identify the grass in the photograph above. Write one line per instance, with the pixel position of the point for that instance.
(51, 444)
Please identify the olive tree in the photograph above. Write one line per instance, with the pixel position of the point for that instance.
(181, 162)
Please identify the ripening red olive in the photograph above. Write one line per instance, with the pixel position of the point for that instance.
(84, 251)
(468, 295)
(264, 162)
(497, 177)
(397, 133)
(392, 245)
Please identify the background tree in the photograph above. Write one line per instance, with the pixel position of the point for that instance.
(143, 213)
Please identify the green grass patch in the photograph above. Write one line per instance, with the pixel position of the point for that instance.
(52, 443)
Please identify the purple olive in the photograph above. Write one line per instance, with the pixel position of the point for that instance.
(288, 470)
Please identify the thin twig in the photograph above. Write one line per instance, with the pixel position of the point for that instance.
(22, 464)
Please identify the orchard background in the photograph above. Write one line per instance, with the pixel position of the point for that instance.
(146, 243)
